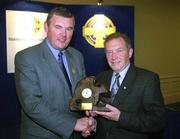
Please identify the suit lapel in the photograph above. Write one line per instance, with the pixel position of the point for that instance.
(108, 79)
(49, 59)
(51, 62)
(125, 87)
(72, 69)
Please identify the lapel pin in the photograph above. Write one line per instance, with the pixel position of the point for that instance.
(124, 87)
(73, 70)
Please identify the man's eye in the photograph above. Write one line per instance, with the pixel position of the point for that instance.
(69, 29)
(58, 27)
(109, 53)
(120, 50)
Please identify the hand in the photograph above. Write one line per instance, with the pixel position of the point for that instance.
(81, 124)
(91, 113)
(92, 124)
(113, 114)
(85, 126)
(92, 127)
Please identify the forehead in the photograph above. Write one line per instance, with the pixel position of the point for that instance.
(61, 19)
(115, 43)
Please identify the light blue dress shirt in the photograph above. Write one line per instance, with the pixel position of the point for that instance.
(55, 52)
(122, 75)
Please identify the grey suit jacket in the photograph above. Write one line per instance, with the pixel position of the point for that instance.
(141, 104)
(44, 94)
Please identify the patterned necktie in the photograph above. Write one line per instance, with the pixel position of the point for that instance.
(61, 64)
(115, 86)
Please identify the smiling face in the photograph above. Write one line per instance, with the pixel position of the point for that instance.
(117, 54)
(59, 31)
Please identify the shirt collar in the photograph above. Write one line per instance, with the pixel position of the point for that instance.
(53, 50)
(123, 72)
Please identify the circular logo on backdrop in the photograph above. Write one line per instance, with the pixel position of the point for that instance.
(96, 29)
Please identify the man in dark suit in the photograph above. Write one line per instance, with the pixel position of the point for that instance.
(137, 107)
(43, 88)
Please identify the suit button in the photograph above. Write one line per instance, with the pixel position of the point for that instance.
(107, 134)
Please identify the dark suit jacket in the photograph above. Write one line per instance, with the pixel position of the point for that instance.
(141, 104)
(44, 94)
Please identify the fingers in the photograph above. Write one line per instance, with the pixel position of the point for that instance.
(81, 124)
(87, 113)
(92, 123)
(85, 125)
(84, 134)
(90, 120)
(91, 113)
(113, 113)
(111, 108)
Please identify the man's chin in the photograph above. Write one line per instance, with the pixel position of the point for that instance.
(61, 46)
(115, 67)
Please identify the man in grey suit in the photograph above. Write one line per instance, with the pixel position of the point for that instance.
(42, 87)
(137, 107)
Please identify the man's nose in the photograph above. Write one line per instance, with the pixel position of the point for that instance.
(114, 55)
(63, 32)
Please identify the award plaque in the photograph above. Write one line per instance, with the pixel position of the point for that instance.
(90, 95)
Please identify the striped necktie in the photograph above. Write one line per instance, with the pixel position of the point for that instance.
(115, 86)
(62, 66)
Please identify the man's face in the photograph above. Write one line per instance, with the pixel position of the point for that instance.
(117, 54)
(60, 31)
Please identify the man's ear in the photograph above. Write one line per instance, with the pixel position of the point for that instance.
(45, 27)
(130, 52)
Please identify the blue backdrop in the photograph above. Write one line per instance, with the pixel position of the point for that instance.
(121, 16)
